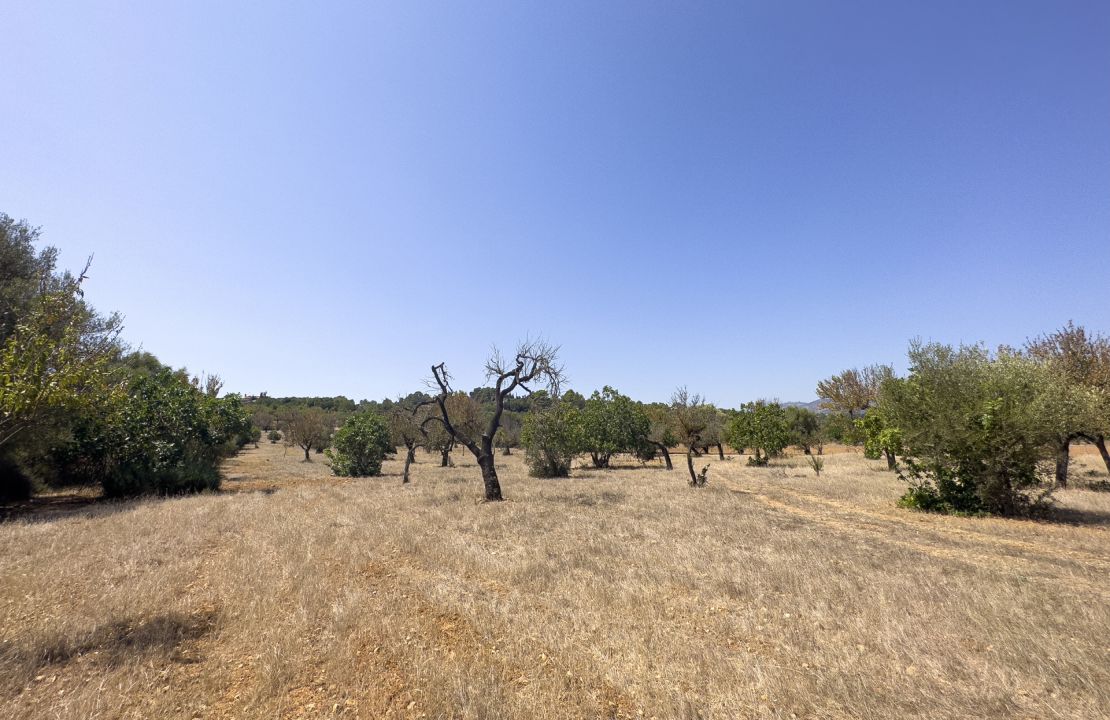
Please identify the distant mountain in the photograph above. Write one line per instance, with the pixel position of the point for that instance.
(815, 406)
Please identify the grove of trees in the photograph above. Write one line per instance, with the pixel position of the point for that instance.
(970, 430)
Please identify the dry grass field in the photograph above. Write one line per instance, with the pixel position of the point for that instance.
(614, 594)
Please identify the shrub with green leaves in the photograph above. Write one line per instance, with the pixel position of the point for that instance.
(273, 436)
(880, 438)
(975, 426)
(360, 445)
(552, 437)
(762, 426)
(613, 423)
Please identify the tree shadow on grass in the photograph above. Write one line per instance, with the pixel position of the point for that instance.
(1076, 516)
(58, 506)
(166, 638)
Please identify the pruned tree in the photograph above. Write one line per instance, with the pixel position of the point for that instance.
(691, 418)
(535, 362)
(853, 391)
(307, 428)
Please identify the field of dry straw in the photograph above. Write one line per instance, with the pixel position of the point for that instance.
(614, 594)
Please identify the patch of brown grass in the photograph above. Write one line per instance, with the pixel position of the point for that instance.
(617, 594)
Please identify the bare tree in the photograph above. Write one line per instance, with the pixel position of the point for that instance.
(533, 362)
(692, 417)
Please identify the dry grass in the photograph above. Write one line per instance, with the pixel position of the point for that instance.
(618, 594)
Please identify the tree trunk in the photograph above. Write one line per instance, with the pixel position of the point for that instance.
(890, 460)
(690, 466)
(306, 457)
(806, 450)
(410, 456)
(489, 477)
(507, 451)
(408, 461)
(721, 451)
(1062, 458)
(820, 448)
(1100, 442)
(601, 460)
(444, 456)
(666, 455)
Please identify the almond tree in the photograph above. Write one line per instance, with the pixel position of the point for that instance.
(534, 362)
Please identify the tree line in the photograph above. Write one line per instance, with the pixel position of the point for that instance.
(969, 429)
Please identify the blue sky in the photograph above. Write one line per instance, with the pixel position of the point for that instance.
(741, 197)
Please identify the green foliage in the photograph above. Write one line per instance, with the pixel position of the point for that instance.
(552, 437)
(164, 436)
(273, 436)
(879, 437)
(805, 428)
(762, 426)
(612, 423)
(973, 429)
(817, 463)
(360, 445)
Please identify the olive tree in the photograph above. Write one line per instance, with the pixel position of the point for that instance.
(534, 362)
(973, 428)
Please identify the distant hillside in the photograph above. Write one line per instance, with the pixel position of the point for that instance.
(815, 406)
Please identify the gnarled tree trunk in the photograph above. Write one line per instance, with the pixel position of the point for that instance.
(1062, 458)
(489, 475)
(891, 462)
(721, 451)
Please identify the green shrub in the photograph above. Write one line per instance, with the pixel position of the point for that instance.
(273, 436)
(552, 437)
(360, 445)
(973, 427)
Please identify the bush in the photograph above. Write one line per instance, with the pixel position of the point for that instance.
(273, 436)
(973, 429)
(360, 446)
(552, 437)
(166, 437)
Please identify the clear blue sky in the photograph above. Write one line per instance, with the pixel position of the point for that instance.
(740, 197)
